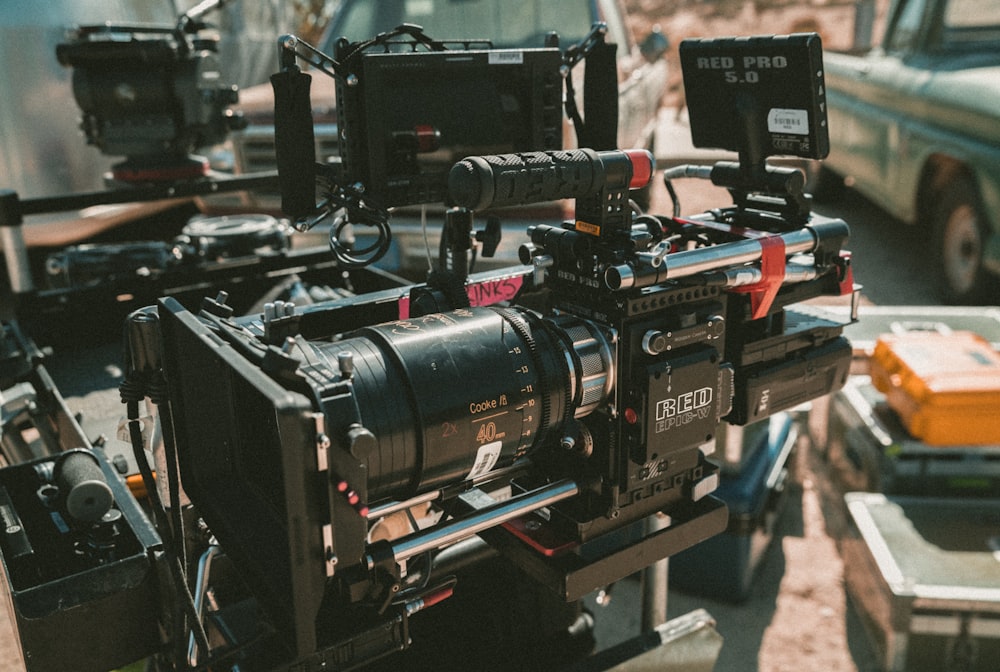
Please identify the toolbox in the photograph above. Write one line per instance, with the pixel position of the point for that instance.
(945, 387)
(722, 567)
(868, 448)
(877, 321)
(924, 577)
(78, 591)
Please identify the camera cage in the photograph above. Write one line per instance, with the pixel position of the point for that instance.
(274, 453)
(321, 413)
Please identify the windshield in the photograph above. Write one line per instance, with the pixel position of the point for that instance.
(507, 23)
(971, 25)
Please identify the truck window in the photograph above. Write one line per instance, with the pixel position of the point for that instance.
(906, 32)
(505, 23)
(971, 22)
(969, 13)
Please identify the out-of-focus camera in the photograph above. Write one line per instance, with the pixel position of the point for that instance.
(153, 94)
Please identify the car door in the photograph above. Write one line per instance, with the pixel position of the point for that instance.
(868, 123)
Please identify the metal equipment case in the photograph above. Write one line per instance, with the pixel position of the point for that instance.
(924, 576)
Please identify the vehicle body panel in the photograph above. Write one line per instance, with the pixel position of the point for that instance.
(896, 116)
(915, 113)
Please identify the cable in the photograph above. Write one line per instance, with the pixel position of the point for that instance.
(700, 172)
(173, 562)
(355, 259)
(137, 385)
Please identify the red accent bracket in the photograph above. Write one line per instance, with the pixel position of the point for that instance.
(539, 535)
(847, 281)
(772, 266)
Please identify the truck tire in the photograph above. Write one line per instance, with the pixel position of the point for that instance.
(959, 233)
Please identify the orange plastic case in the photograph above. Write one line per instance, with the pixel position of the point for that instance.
(945, 387)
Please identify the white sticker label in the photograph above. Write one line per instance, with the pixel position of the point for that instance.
(512, 57)
(486, 459)
(788, 121)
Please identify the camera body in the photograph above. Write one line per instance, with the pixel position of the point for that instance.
(153, 94)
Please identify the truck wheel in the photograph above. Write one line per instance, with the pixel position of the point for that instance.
(959, 230)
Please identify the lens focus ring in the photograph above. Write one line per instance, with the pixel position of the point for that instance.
(592, 354)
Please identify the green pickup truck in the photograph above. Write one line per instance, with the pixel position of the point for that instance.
(915, 127)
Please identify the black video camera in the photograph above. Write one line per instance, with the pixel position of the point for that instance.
(348, 459)
(153, 94)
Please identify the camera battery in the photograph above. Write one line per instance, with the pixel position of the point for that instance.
(723, 567)
(945, 387)
(790, 379)
(923, 576)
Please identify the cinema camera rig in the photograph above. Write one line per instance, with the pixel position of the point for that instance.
(152, 94)
(346, 458)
